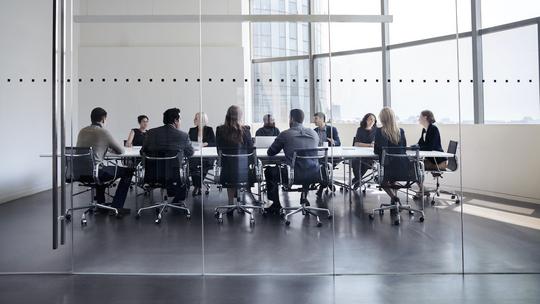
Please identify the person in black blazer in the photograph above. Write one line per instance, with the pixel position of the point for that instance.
(389, 135)
(269, 127)
(233, 135)
(365, 136)
(168, 140)
(206, 136)
(430, 140)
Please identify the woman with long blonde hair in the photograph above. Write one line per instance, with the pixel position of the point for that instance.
(392, 136)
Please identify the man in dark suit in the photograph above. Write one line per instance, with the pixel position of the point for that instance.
(168, 140)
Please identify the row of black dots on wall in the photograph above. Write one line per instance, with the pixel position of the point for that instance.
(260, 80)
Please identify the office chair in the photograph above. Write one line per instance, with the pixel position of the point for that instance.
(237, 168)
(399, 170)
(368, 179)
(451, 167)
(309, 167)
(81, 167)
(163, 172)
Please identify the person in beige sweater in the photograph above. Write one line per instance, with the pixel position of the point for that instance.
(101, 141)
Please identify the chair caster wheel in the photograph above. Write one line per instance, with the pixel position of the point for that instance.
(432, 202)
(453, 197)
(458, 201)
(329, 216)
(157, 221)
(411, 212)
(319, 224)
(216, 214)
(206, 192)
(396, 222)
(137, 216)
(84, 223)
(364, 191)
(421, 219)
(188, 216)
(67, 217)
(252, 221)
(381, 212)
(287, 223)
(371, 217)
(220, 220)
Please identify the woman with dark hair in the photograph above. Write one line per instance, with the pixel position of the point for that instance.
(365, 136)
(430, 140)
(136, 135)
(233, 135)
(269, 127)
(204, 134)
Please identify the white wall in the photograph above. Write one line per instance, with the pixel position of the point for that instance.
(25, 108)
(133, 51)
(496, 160)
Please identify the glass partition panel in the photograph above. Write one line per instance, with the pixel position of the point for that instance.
(137, 71)
(266, 70)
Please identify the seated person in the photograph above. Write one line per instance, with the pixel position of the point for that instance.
(389, 135)
(101, 140)
(233, 135)
(204, 134)
(269, 127)
(326, 133)
(168, 140)
(296, 137)
(365, 136)
(136, 135)
(430, 140)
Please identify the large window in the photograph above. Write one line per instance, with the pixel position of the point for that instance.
(423, 73)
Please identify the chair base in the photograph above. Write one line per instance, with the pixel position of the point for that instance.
(397, 208)
(164, 206)
(306, 210)
(89, 208)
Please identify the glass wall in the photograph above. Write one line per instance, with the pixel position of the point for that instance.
(478, 75)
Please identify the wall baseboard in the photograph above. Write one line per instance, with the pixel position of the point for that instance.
(26, 192)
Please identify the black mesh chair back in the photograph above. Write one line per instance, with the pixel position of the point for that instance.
(309, 166)
(237, 167)
(80, 165)
(162, 169)
(452, 161)
(399, 167)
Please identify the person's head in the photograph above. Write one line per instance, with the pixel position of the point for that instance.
(319, 119)
(98, 115)
(268, 120)
(426, 118)
(233, 124)
(389, 124)
(143, 121)
(368, 121)
(172, 117)
(296, 116)
(200, 119)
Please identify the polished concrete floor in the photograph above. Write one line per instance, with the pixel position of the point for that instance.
(349, 243)
(417, 289)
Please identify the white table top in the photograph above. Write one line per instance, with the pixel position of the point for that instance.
(339, 152)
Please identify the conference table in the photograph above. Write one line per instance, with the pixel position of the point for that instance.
(341, 153)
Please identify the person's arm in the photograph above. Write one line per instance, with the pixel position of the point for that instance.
(113, 144)
(276, 146)
(335, 134)
(146, 143)
(188, 148)
(247, 138)
(129, 141)
(404, 137)
(377, 145)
